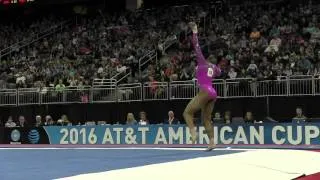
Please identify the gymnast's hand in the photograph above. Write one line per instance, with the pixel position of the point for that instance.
(193, 27)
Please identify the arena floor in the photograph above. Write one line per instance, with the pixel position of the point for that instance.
(157, 164)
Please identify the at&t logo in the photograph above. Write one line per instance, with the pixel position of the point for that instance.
(33, 136)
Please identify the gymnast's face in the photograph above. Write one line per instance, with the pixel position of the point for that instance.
(212, 59)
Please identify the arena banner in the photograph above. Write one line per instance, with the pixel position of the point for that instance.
(262, 134)
(19, 135)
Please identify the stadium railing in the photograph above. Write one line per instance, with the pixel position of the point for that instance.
(152, 91)
(103, 82)
(146, 59)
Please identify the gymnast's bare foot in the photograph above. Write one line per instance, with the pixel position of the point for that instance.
(211, 145)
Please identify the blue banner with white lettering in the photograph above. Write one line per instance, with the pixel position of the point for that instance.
(261, 134)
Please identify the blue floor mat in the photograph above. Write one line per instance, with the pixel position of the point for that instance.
(42, 164)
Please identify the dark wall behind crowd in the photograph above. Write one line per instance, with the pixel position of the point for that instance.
(279, 108)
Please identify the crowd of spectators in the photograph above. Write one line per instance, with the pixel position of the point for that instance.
(170, 119)
(98, 45)
(258, 40)
(39, 121)
(16, 31)
(262, 41)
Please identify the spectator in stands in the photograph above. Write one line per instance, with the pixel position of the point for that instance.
(274, 31)
(60, 87)
(232, 73)
(10, 122)
(38, 121)
(171, 119)
(155, 90)
(217, 118)
(22, 122)
(143, 118)
(185, 75)
(48, 121)
(252, 69)
(87, 123)
(131, 119)
(227, 117)
(299, 118)
(274, 45)
(255, 34)
(65, 120)
(248, 118)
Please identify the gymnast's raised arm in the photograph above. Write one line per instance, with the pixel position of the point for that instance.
(195, 43)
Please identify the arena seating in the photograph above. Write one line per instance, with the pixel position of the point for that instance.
(263, 42)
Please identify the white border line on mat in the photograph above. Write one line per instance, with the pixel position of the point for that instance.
(133, 148)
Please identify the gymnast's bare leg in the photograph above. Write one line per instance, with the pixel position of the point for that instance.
(207, 117)
(197, 103)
